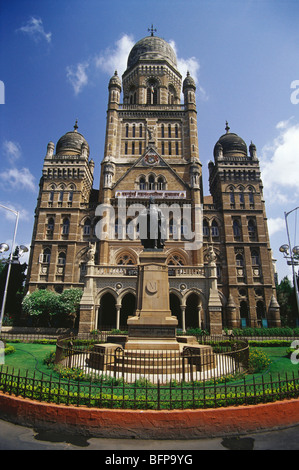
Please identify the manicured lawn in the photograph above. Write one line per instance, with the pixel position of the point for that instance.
(29, 356)
(280, 363)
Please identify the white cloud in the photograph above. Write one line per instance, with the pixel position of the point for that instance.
(115, 58)
(192, 66)
(279, 165)
(12, 150)
(276, 225)
(35, 29)
(13, 178)
(77, 76)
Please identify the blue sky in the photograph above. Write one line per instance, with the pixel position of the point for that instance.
(57, 57)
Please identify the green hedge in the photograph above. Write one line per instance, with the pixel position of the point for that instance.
(287, 331)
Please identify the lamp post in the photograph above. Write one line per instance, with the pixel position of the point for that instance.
(9, 263)
(289, 253)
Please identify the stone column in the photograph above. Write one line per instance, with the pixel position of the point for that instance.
(153, 327)
(118, 307)
(183, 312)
(214, 304)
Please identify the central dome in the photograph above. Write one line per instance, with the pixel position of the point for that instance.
(152, 48)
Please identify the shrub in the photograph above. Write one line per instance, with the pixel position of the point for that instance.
(257, 361)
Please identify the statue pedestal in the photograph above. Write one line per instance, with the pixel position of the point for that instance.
(153, 326)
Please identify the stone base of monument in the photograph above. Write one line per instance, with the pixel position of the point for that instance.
(152, 327)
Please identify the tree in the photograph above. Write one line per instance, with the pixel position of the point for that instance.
(41, 306)
(48, 308)
(15, 291)
(287, 301)
(69, 304)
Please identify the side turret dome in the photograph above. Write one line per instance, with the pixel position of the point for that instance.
(115, 81)
(71, 143)
(230, 144)
(189, 82)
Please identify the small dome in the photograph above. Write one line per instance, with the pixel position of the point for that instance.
(231, 144)
(152, 48)
(188, 82)
(71, 143)
(115, 80)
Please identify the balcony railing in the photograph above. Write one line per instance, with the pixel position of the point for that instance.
(179, 271)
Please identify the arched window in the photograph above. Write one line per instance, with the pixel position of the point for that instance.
(127, 130)
(244, 309)
(50, 227)
(176, 131)
(175, 260)
(140, 130)
(239, 260)
(252, 230)
(205, 227)
(133, 130)
(125, 259)
(237, 230)
(169, 130)
(142, 183)
(65, 226)
(45, 256)
(251, 198)
(241, 198)
(87, 227)
(260, 310)
(151, 183)
(255, 259)
(215, 229)
(152, 94)
(232, 197)
(162, 131)
(160, 183)
(61, 258)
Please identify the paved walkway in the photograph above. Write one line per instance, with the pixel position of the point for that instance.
(14, 437)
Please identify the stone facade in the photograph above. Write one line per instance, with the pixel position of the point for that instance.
(151, 149)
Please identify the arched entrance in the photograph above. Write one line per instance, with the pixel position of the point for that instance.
(192, 306)
(175, 308)
(107, 312)
(244, 313)
(128, 307)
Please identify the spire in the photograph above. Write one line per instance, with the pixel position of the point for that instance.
(76, 126)
(152, 30)
(227, 128)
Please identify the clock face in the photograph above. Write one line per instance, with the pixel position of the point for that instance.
(151, 159)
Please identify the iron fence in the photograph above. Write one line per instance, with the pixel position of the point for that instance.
(119, 394)
(192, 362)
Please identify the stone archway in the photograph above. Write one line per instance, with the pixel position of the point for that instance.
(107, 312)
(175, 307)
(128, 308)
(192, 309)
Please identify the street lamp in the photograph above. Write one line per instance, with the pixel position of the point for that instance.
(289, 253)
(9, 262)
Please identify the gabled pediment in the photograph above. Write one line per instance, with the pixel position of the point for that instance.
(151, 159)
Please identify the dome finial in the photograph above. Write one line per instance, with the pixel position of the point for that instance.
(227, 128)
(152, 30)
(76, 126)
